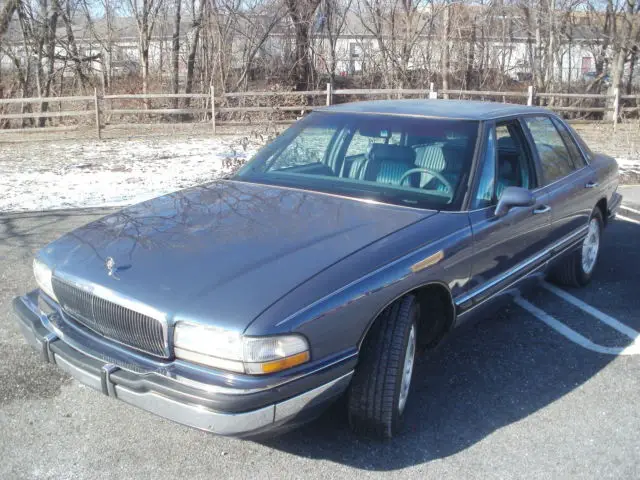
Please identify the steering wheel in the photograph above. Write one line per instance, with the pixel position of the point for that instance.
(438, 175)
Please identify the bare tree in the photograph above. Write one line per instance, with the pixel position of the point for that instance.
(402, 29)
(332, 26)
(146, 15)
(197, 14)
(175, 51)
(302, 13)
(6, 14)
(625, 42)
(444, 56)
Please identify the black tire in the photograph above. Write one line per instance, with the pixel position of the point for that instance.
(570, 271)
(374, 394)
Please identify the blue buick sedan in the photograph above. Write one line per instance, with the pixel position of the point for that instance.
(359, 238)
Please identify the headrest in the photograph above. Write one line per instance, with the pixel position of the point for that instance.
(380, 152)
(505, 169)
(506, 143)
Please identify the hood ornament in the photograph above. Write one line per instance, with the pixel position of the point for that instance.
(113, 269)
(110, 265)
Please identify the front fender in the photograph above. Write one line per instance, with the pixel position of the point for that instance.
(335, 308)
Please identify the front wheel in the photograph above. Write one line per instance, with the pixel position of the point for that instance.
(382, 382)
(577, 269)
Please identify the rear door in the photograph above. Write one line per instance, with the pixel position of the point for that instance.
(566, 178)
(507, 247)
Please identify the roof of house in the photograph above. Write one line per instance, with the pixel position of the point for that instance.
(453, 109)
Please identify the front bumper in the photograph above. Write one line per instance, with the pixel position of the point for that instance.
(184, 404)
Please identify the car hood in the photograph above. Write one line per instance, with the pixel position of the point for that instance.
(221, 253)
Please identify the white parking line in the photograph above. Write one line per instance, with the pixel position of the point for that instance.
(633, 210)
(603, 317)
(569, 333)
(627, 219)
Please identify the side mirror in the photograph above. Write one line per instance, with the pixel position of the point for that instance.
(514, 197)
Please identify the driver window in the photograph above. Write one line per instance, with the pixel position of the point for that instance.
(486, 187)
(506, 164)
(513, 166)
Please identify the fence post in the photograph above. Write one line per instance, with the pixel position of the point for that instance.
(616, 105)
(432, 92)
(213, 110)
(97, 105)
(329, 93)
(530, 95)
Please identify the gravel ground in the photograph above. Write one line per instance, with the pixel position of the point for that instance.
(505, 398)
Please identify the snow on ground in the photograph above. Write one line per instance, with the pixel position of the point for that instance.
(629, 169)
(86, 173)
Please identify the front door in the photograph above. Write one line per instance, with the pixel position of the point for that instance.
(506, 248)
(566, 178)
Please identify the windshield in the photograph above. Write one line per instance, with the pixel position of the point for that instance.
(411, 161)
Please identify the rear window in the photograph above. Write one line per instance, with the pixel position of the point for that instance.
(418, 162)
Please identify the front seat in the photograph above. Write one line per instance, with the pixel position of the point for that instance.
(433, 158)
(508, 160)
(391, 162)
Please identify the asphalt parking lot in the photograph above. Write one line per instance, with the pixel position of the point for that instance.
(547, 388)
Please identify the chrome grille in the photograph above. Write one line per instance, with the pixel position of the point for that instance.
(111, 320)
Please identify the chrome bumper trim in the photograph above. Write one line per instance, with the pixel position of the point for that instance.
(229, 423)
(178, 409)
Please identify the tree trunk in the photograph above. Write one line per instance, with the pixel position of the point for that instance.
(301, 13)
(73, 47)
(5, 15)
(303, 65)
(623, 46)
(175, 54)
(144, 61)
(445, 50)
(196, 28)
(471, 58)
(632, 66)
(50, 40)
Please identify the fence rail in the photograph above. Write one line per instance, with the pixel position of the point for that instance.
(214, 106)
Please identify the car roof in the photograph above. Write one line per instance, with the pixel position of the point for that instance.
(451, 109)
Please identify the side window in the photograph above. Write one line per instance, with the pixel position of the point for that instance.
(583, 145)
(486, 186)
(514, 165)
(574, 151)
(554, 156)
(307, 148)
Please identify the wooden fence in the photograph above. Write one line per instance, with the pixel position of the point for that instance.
(214, 109)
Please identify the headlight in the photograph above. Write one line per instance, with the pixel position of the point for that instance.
(231, 351)
(43, 277)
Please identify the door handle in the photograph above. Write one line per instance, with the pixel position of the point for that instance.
(591, 185)
(542, 209)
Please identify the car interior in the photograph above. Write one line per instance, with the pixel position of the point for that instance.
(387, 163)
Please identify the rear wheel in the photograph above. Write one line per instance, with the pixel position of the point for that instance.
(577, 269)
(381, 385)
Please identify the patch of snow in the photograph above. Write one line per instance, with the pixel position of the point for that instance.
(79, 174)
(628, 165)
